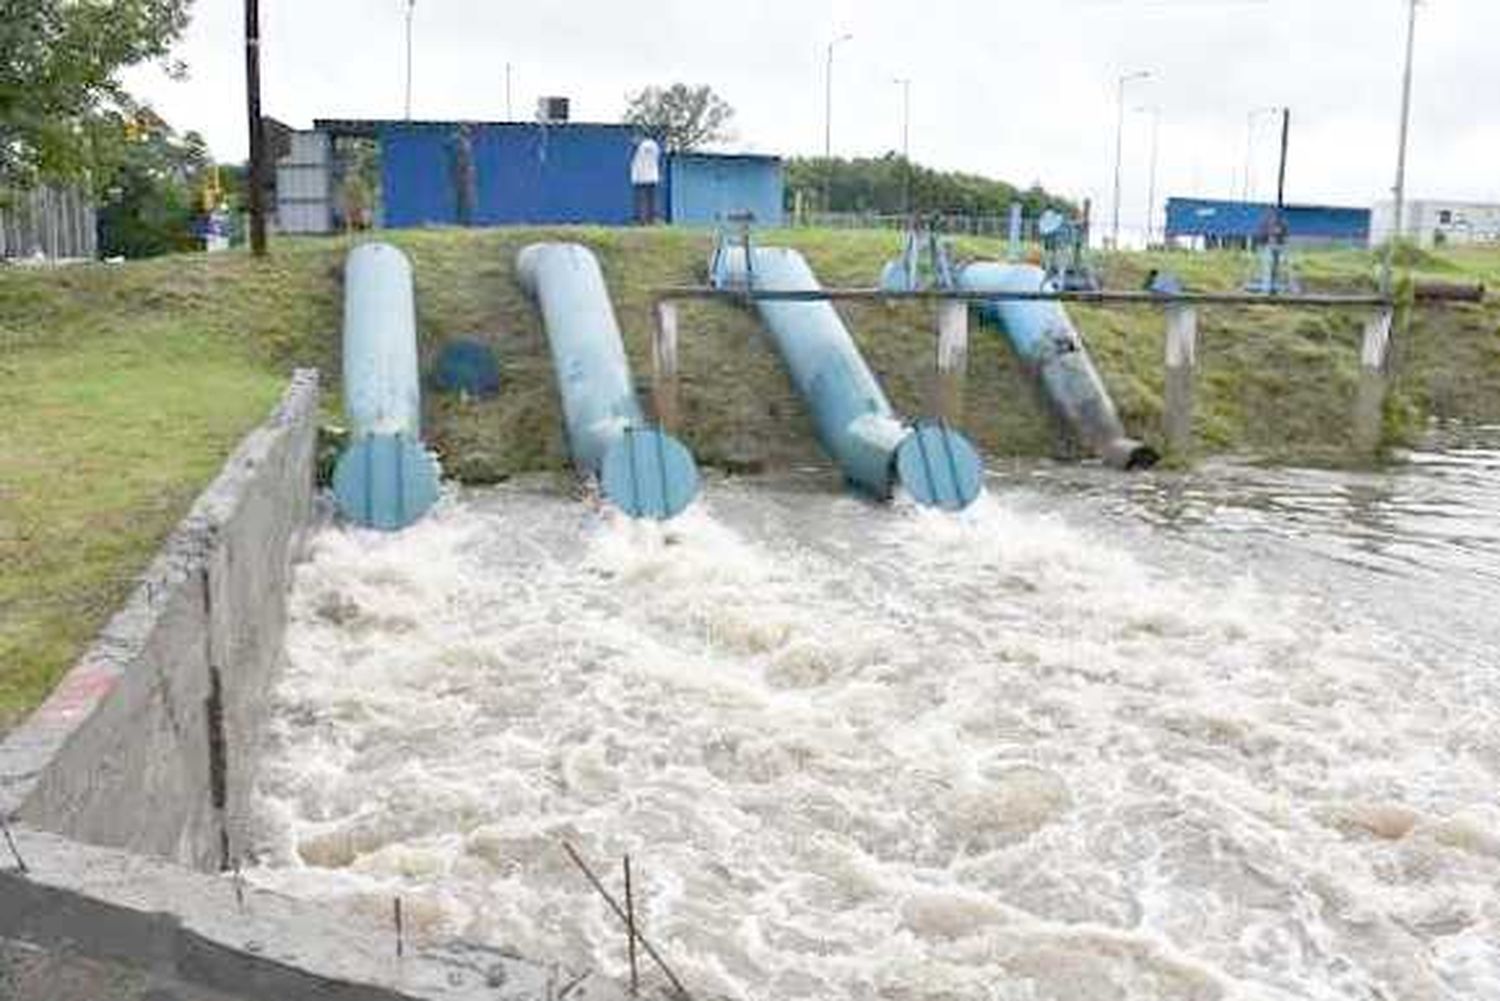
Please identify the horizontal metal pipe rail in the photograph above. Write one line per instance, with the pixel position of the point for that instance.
(1107, 296)
(1181, 335)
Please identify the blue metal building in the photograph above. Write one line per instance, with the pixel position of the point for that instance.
(488, 174)
(1209, 222)
(705, 188)
(496, 173)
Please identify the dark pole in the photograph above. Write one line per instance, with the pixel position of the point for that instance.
(1286, 127)
(257, 130)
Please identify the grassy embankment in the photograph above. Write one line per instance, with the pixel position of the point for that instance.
(123, 387)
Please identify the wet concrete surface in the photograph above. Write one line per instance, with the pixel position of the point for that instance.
(31, 973)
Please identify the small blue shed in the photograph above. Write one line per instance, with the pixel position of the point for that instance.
(706, 188)
(1222, 223)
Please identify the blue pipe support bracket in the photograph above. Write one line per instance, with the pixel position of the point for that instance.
(386, 478)
(1044, 338)
(642, 470)
(853, 420)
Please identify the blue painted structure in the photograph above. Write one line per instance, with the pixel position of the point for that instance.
(386, 478)
(1234, 223)
(517, 173)
(1045, 340)
(641, 470)
(854, 422)
(497, 173)
(708, 188)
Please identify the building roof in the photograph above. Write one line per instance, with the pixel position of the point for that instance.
(1217, 217)
(371, 127)
(698, 154)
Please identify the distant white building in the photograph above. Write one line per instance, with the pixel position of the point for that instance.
(1431, 222)
(304, 184)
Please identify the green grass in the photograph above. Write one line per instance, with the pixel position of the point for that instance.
(123, 387)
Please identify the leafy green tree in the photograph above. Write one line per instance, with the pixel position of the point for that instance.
(61, 107)
(152, 199)
(685, 117)
(878, 185)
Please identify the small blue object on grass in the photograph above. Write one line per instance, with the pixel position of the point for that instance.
(466, 365)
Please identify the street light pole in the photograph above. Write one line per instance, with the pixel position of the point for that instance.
(1398, 223)
(1120, 148)
(905, 143)
(1155, 112)
(828, 119)
(411, 6)
(1248, 187)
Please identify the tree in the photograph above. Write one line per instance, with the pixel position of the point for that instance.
(878, 185)
(61, 108)
(151, 199)
(684, 117)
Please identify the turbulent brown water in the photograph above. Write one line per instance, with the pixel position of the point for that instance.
(1232, 734)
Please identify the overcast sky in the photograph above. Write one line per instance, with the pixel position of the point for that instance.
(1023, 91)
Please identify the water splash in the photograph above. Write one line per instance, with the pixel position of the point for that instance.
(870, 753)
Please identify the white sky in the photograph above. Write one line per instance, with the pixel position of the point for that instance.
(1021, 91)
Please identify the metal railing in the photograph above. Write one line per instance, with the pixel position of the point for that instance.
(1108, 296)
(1180, 342)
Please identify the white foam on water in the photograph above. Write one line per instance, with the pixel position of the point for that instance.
(859, 752)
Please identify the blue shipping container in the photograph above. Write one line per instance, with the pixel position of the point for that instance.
(452, 173)
(1233, 220)
(706, 188)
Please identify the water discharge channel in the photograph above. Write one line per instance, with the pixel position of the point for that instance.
(1230, 734)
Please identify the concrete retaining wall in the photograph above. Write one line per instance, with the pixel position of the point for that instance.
(148, 745)
(148, 742)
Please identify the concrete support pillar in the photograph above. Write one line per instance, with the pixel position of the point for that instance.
(1369, 403)
(952, 359)
(1181, 358)
(664, 365)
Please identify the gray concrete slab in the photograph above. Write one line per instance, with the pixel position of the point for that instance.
(187, 931)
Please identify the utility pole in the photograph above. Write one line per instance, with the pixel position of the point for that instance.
(257, 130)
(905, 143)
(1398, 223)
(828, 120)
(1120, 148)
(1286, 131)
(411, 7)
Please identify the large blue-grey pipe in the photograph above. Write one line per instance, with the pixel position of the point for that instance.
(386, 478)
(641, 470)
(1044, 338)
(855, 424)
